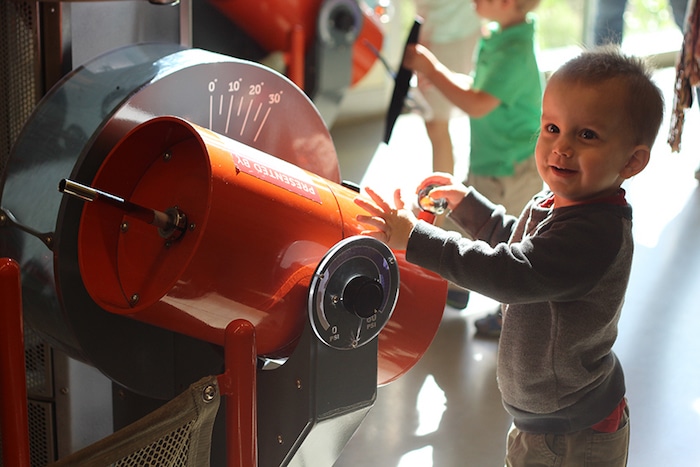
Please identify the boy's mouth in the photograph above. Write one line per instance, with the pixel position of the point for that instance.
(562, 170)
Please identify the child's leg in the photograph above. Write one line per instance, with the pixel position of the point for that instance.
(519, 189)
(585, 448)
(443, 150)
(512, 192)
(457, 56)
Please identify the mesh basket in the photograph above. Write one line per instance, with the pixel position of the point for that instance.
(176, 435)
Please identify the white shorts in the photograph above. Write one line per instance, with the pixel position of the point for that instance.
(458, 56)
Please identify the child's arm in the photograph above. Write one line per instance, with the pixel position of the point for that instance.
(472, 101)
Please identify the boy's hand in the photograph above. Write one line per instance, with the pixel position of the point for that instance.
(419, 59)
(392, 225)
(447, 188)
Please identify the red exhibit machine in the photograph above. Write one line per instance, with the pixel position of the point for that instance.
(183, 242)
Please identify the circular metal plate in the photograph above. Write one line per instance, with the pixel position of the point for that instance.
(332, 312)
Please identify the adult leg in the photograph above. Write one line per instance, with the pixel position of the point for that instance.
(609, 21)
(678, 8)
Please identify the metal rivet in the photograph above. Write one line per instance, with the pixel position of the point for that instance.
(134, 299)
(209, 393)
(124, 227)
(167, 155)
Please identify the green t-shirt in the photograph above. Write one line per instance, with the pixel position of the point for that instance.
(507, 69)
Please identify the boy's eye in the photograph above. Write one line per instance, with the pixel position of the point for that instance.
(551, 128)
(588, 134)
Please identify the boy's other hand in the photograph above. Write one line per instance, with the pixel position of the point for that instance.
(444, 186)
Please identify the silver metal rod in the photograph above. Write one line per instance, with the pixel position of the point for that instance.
(159, 219)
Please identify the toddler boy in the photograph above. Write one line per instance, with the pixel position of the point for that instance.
(561, 268)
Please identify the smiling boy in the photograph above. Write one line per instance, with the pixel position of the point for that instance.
(561, 269)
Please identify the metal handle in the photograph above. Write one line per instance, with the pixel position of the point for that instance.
(171, 223)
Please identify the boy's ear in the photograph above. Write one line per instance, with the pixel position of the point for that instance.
(636, 162)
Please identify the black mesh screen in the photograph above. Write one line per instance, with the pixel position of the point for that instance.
(19, 70)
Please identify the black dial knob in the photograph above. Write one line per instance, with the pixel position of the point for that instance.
(363, 296)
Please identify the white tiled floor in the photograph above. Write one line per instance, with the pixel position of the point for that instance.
(446, 412)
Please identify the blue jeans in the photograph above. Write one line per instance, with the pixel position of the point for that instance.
(608, 27)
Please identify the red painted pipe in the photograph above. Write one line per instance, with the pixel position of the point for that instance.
(238, 385)
(14, 424)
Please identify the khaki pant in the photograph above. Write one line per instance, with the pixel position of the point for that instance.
(512, 192)
(585, 448)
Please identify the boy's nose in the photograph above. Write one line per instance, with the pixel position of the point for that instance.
(562, 148)
(562, 152)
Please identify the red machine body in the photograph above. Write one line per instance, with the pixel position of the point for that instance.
(136, 313)
(242, 255)
(291, 26)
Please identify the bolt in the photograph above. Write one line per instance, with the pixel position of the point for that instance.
(209, 393)
(167, 155)
(298, 384)
(124, 227)
(280, 440)
(134, 299)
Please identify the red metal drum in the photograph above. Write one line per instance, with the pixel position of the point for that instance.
(257, 227)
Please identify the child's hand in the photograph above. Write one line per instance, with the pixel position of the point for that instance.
(392, 226)
(446, 187)
(419, 59)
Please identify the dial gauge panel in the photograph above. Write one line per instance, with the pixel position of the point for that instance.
(353, 292)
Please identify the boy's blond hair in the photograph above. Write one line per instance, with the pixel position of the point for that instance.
(644, 102)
